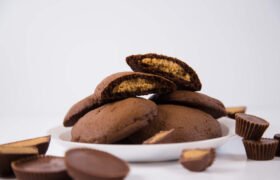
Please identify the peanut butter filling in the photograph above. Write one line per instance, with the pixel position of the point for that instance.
(133, 85)
(195, 154)
(30, 142)
(18, 150)
(168, 67)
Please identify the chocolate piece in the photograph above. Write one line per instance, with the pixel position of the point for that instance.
(171, 68)
(79, 109)
(190, 124)
(161, 137)
(277, 137)
(9, 154)
(114, 121)
(42, 143)
(249, 126)
(86, 164)
(263, 149)
(130, 84)
(196, 100)
(231, 111)
(197, 159)
(40, 168)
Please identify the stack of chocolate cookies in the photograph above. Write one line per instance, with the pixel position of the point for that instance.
(115, 113)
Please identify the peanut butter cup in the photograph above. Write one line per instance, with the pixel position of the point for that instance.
(40, 168)
(263, 149)
(197, 159)
(231, 111)
(42, 143)
(249, 126)
(277, 137)
(90, 164)
(9, 154)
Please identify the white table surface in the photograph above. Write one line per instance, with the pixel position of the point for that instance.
(231, 161)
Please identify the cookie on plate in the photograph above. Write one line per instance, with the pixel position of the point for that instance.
(114, 121)
(210, 105)
(190, 124)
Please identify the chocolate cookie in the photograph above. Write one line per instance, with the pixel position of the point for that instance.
(196, 100)
(79, 109)
(114, 121)
(87, 164)
(171, 68)
(130, 84)
(190, 124)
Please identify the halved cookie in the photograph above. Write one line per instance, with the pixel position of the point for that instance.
(114, 121)
(171, 68)
(130, 84)
(210, 105)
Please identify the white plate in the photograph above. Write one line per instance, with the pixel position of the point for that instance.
(146, 153)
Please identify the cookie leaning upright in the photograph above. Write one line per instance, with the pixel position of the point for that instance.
(171, 68)
(130, 84)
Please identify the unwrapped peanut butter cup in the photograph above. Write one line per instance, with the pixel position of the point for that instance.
(197, 159)
(40, 167)
(86, 164)
(263, 149)
(249, 126)
(42, 143)
(231, 111)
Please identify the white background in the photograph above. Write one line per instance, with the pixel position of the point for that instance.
(53, 53)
